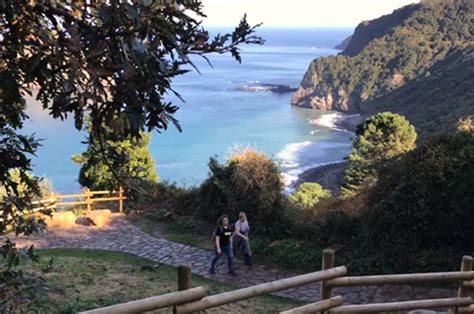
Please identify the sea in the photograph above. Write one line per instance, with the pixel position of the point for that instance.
(220, 114)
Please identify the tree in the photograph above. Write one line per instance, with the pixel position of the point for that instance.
(130, 159)
(113, 60)
(309, 194)
(381, 139)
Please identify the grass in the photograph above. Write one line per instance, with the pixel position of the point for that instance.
(86, 279)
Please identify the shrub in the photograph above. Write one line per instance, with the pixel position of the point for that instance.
(249, 181)
(164, 200)
(309, 194)
(423, 205)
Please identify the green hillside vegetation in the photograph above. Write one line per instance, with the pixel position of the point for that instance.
(411, 64)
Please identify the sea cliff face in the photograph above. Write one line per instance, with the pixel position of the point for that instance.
(397, 50)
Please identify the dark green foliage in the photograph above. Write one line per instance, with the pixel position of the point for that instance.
(165, 201)
(381, 139)
(112, 60)
(423, 205)
(248, 182)
(105, 165)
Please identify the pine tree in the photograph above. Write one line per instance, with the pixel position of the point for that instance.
(106, 164)
(380, 139)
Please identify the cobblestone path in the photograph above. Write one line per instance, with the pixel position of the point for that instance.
(121, 236)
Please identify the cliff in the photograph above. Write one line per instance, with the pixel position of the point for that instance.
(415, 61)
(343, 44)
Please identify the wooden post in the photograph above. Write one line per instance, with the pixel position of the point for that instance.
(88, 200)
(264, 288)
(152, 303)
(466, 265)
(317, 307)
(327, 262)
(184, 281)
(121, 199)
(54, 200)
(184, 278)
(402, 306)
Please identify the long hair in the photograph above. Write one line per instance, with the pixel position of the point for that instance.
(221, 218)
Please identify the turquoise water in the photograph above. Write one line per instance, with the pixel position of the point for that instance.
(218, 116)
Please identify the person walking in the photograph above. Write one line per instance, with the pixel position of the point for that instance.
(241, 238)
(223, 243)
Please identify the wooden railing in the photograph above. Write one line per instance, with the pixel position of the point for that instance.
(330, 276)
(88, 198)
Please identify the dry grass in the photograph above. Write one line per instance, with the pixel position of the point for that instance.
(84, 279)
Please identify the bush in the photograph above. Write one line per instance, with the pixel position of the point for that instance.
(290, 253)
(248, 181)
(309, 194)
(164, 200)
(423, 205)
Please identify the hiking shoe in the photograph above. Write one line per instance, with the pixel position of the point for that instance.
(212, 271)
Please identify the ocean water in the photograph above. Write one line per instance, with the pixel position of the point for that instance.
(218, 115)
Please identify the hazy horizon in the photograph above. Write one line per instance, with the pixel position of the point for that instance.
(298, 14)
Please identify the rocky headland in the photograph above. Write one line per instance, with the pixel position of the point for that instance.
(417, 61)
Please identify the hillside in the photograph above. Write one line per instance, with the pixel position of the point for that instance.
(417, 61)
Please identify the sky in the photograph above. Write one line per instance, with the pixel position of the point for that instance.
(298, 13)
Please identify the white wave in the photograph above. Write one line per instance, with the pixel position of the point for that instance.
(327, 120)
(290, 152)
(330, 121)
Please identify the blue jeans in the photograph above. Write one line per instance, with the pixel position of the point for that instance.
(240, 243)
(227, 249)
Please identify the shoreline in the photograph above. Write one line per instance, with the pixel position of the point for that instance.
(330, 175)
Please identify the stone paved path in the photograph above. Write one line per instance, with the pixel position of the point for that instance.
(121, 236)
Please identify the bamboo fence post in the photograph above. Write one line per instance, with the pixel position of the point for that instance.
(88, 200)
(466, 265)
(121, 199)
(327, 262)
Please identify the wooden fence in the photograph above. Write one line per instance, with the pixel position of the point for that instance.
(330, 276)
(88, 198)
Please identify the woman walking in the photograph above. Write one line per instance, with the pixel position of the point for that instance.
(241, 238)
(222, 239)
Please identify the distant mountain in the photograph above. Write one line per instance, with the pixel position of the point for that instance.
(343, 45)
(417, 61)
